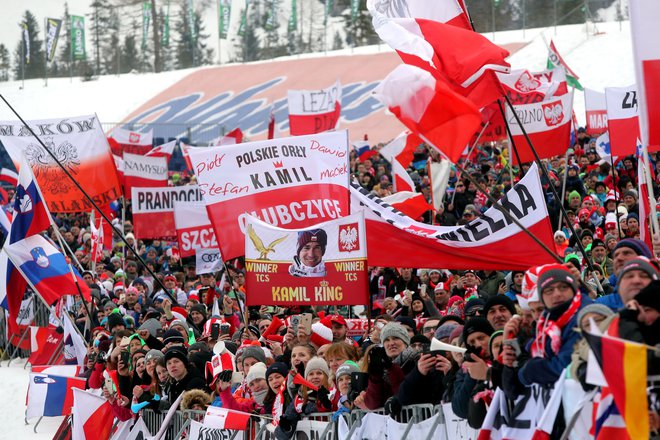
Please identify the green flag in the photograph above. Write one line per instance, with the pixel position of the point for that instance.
(293, 19)
(328, 10)
(146, 19)
(243, 24)
(271, 21)
(555, 60)
(355, 9)
(78, 37)
(165, 36)
(224, 15)
(191, 20)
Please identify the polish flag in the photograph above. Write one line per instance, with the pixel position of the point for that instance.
(97, 241)
(643, 177)
(222, 418)
(430, 109)
(314, 111)
(548, 125)
(233, 137)
(185, 152)
(165, 150)
(143, 172)
(401, 178)
(451, 12)
(644, 19)
(8, 176)
(92, 416)
(402, 148)
(412, 204)
(525, 87)
(119, 165)
(622, 119)
(464, 59)
(596, 110)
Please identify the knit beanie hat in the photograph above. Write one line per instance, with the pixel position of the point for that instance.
(198, 308)
(314, 235)
(610, 219)
(177, 352)
(407, 321)
(257, 371)
(638, 246)
(492, 339)
(600, 309)
(277, 367)
(419, 338)
(475, 325)
(153, 354)
(321, 334)
(500, 300)
(317, 363)
(445, 331)
(180, 322)
(115, 319)
(395, 330)
(152, 325)
(255, 352)
(474, 303)
(649, 296)
(639, 263)
(553, 273)
(573, 194)
(172, 336)
(346, 368)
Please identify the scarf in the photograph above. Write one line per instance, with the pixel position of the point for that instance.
(546, 327)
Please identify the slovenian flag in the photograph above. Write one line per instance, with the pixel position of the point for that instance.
(45, 268)
(31, 215)
(51, 396)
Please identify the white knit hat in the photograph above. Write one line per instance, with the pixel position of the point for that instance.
(257, 371)
(316, 363)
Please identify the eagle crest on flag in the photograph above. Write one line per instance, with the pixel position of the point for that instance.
(39, 256)
(46, 170)
(526, 83)
(553, 113)
(348, 238)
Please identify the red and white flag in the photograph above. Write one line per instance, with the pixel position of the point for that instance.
(439, 177)
(596, 111)
(644, 19)
(8, 176)
(443, 11)
(489, 242)
(622, 119)
(430, 109)
(193, 228)
(294, 183)
(547, 421)
(466, 60)
(144, 172)
(92, 416)
(400, 178)
(119, 166)
(81, 146)
(222, 418)
(153, 209)
(402, 148)
(233, 137)
(548, 124)
(185, 149)
(165, 150)
(412, 204)
(129, 137)
(525, 87)
(314, 111)
(97, 241)
(643, 177)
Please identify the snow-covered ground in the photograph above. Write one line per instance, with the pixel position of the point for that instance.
(13, 389)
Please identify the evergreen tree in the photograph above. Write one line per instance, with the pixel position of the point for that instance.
(35, 62)
(359, 31)
(190, 52)
(100, 30)
(112, 47)
(5, 63)
(64, 47)
(130, 58)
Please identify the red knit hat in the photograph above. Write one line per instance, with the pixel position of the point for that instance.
(321, 334)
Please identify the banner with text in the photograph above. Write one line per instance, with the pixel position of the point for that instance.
(314, 111)
(525, 87)
(489, 242)
(143, 172)
(290, 182)
(193, 228)
(322, 265)
(153, 209)
(80, 145)
(596, 111)
(623, 119)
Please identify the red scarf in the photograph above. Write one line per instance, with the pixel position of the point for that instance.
(547, 328)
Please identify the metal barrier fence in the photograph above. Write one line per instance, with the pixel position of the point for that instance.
(257, 429)
(32, 307)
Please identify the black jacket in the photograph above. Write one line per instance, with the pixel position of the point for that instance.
(191, 381)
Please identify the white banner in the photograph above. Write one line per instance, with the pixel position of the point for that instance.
(207, 261)
(193, 228)
(26, 313)
(314, 102)
(132, 137)
(145, 168)
(457, 428)
(199, 431)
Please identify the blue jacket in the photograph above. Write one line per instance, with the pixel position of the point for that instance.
(613, 301)
(546, 370)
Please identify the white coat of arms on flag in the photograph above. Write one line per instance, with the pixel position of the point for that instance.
(553, 113)
(25, 204)
(526, 83)
(39, 256)
(348, 238)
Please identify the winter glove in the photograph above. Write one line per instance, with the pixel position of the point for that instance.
(392, 407)
(323, 397)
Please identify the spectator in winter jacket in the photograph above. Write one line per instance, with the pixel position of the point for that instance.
(624, 251)
(184, 376)
(498, 310)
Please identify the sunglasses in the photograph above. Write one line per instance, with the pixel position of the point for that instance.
(473, 312)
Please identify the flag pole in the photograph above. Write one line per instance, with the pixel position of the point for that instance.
(90, 200)
(616, 195)
(537, 159)
(563, 187)
(495, 203)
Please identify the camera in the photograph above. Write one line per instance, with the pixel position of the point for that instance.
(359, 383)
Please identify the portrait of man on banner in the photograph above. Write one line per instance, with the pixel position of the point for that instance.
(308, 261)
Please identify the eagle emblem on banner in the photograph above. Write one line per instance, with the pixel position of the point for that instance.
(46, 170)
